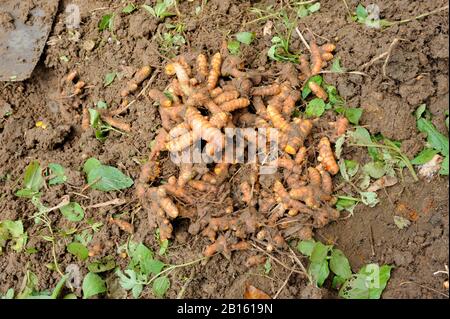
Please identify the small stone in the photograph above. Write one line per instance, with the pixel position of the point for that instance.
(89, 45)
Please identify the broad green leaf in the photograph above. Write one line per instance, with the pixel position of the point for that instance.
(424, 156)
(361, 136)
(233, 47)
(140, 254)
(27, 193)
(108, 178)
(153, 266)
(337, 282)
(353, 115)
(109, 78)
(319, 272)
(369, 198)
(306, 90)
(375, 169)
(267, 266)
(129, 8)
(352, 167)
(33, 179)
(93, 285)
(377, 278)
(355, 288)
(102, 105)
(319, 252)
(90, 164)
(29, 286)
(436, 139)
(339, 264)
(346, 204)
(306, 247)
(149, 9)
(106, 22)
(361, 12)
(9, 294)
(314, 7)
(59, 286)
(73, 212)
(245, 37)
(79, 250)
(315, 108)
(105, 178)
(14, 231)
(58, 171)
(160, 286)
(102, 265)
(129, 280)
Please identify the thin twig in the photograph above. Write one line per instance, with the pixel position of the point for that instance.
(278, 261)
(283, 285)
(115, 201)
(303, 39)
(344, 72)
(299, 262)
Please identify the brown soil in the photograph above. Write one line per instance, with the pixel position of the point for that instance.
(416, 72)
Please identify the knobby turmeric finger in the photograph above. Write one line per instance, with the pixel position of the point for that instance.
(233, 105)
(316, 59)
(160, 97)
(214, 72)
(318, 90)
(267, 90)
(326, 156)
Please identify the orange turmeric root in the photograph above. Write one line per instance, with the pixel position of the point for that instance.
(138, 78)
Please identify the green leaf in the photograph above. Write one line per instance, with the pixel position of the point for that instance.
(424, 156)
(352, 167)
(346, 204)
(353, 115)
(33, 179)
(361, 12)
(377, 278)
(336, 66)
(29, 286)
(306, 90)
(361, 136)
(338, 146)
(337, 282)
(93, 285)
(153, 266)
(245, 37)
(355, 288)
(129, 8)
(319, 252)
(420, 110)
(107, 178)
(79, 250)
(319, 272)
(94, 118)
(106, 22)
(375, 169)
(102, 105)
(90, 164)
(73, 212)
(14, 231)
(163, 247)
(339, 264)
(369, 198)
(315, 108)
(27, 193)
(160, 286)
(306, 247)
(58, 171)
(102, 265)
(267, 266)
(140, 254)
(314, 7)
(436, 139)
(9, 294)
(109, 78)
(59, 286)
(233, 47)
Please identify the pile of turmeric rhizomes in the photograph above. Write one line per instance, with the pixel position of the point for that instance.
(230, 203)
